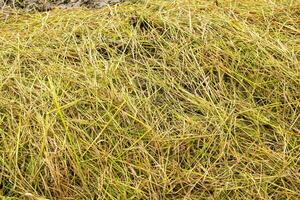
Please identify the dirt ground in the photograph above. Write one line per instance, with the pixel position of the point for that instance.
(44, 5)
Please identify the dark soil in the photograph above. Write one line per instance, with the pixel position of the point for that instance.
(44, 5)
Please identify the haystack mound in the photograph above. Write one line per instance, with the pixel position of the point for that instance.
(158, 99)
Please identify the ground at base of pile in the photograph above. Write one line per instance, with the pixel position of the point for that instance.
(45, 5)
